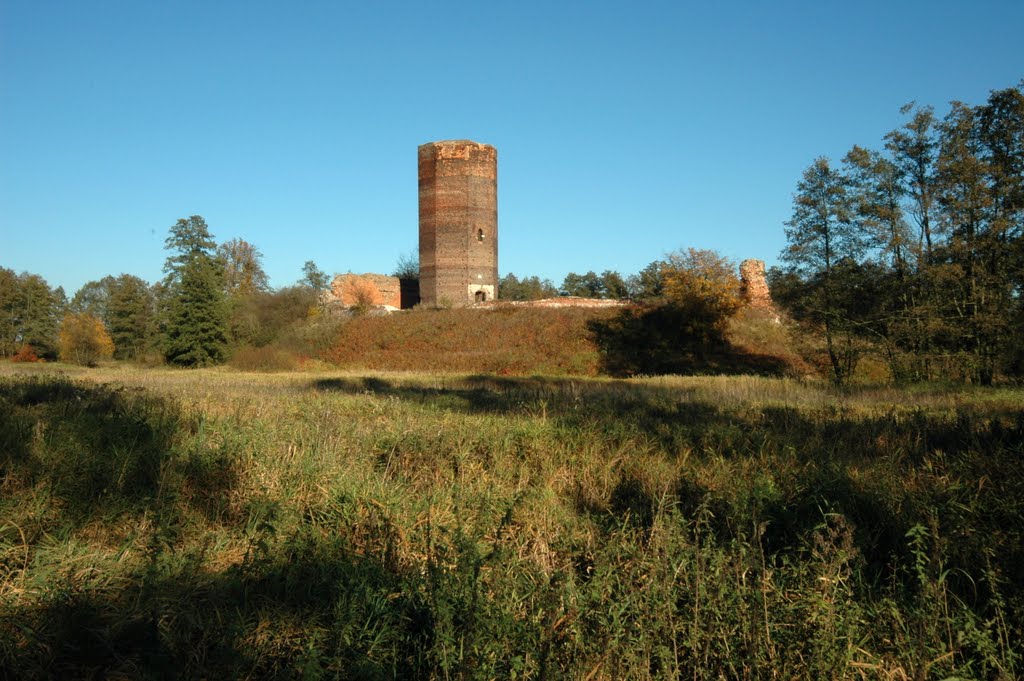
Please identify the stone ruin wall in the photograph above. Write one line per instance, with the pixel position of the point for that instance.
(754, 285)
(376, 290)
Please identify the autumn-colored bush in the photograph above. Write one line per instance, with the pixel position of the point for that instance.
(703, 280)
(84, 340)
(362, 295)
(26, 353)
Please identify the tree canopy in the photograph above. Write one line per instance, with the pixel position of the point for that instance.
(918, 249)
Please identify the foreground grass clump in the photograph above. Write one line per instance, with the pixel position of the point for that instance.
(218, 524)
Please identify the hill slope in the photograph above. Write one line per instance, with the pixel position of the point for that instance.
(498, 340)
(520, 340)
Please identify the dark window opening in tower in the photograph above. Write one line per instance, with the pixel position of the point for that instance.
(480, 296)
(479, 235)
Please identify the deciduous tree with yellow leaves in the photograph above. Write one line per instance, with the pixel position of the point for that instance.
(84, 340)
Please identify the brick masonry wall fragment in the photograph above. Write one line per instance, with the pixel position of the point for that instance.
(371, 289)
(754, 285)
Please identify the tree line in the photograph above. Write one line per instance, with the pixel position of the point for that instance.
(915, 251)
(609, 284)
(212, 299)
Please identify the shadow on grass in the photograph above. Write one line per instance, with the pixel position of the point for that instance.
(884, 472)
(683, 339)
(318, 603)
(313, 609)
(103, 450)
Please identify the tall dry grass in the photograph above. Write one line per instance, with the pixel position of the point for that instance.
(169, 523)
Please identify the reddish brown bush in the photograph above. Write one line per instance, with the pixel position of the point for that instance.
(26, 353)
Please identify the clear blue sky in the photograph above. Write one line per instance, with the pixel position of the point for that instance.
(624, 130)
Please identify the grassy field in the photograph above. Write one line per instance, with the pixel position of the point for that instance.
(202, 524)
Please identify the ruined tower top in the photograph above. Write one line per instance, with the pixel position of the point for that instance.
(483, 158)
(754, 285)
(458, 184)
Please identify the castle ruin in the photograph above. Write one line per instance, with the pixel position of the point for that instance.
(458, 240)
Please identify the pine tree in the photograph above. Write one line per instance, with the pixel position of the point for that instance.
(195, 314)
(41, 310)
(130, 316)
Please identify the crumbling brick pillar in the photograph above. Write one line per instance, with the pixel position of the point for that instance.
(458, 181)
(754, 285)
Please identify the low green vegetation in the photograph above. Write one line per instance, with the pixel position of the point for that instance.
(219, 524)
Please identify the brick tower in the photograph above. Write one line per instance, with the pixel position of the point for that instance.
(458, 222)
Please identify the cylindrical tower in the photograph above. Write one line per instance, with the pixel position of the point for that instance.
(458, 222)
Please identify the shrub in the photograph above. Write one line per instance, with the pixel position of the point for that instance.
(84, 340)
(26, 353)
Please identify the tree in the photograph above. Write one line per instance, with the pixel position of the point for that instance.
(608, 284)
(41, 309)
(29, 313)
(876, 194)
(613, 286)
(647, 283)
(408, 266)
(510, 287)
(704, 280)
(93, 297)
(822, 236)
(316, 281)
(130, 318)
(980, 193)
(243, 268)
(126, 306)
(10, 312)
(313, 277)
(195, 316)
(914, 151)
(683, 329)
(83, 339)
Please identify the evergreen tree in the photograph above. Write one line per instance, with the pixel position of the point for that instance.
(130, 316)
(41, 310)
(195, 314)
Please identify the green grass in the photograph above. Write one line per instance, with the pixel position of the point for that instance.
(202, 524)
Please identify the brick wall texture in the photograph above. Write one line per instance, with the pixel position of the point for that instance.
(754, 285)
(458, 182)
(367, 289)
